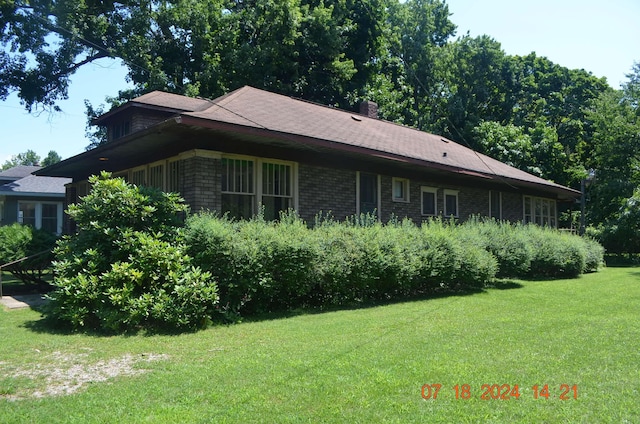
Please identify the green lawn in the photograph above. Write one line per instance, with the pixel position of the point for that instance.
(366, 365)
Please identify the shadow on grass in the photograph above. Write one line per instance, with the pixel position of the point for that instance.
(374, 303)
(48, 325)
(505, 284)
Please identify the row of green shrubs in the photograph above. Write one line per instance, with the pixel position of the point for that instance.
(134, 263)
(262, 266)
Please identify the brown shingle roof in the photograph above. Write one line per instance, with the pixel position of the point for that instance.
(270, 117)
(261, 109)
(158, 100)
(172, 101)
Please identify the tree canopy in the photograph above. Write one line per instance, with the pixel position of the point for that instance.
(31, 158)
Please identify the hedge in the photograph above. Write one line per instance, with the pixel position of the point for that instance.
(264, 266)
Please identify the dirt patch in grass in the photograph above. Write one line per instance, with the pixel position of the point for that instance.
(63, 374)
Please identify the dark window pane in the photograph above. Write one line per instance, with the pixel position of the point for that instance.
(428, 203)
(451, 204)
(273, 205)
(368, 193)
(238, 206)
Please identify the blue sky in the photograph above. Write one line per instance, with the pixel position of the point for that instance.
(601, 37)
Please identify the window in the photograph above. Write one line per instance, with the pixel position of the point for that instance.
(120, 129)
(124, 175)
(495, 204)
(163, 175)
(429, 200)
(238, 187)
(50, 217)
(138, 177)
(540, 211)
(247, 183)
(41, 215)
(451, 203)
(173, 176)
(156, 176)
(276, 189)
(27, 213)
(400, 189)
(368, 195)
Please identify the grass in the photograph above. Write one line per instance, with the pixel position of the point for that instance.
(362, 365)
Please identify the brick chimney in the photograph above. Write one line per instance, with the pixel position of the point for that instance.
(369, 108)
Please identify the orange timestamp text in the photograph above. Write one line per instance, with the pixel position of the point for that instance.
(500, 391)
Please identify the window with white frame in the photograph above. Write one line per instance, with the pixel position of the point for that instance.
(238, 192)
(277, 189)
(41, 215)
(49, 219)
(173, 176)
(429, 200)
(248, 182)
(400, 189)
(451, 203)
(540, 211)
(156, 176)
(27, 213)
(139, 176)
(163, 175)
(495, 204)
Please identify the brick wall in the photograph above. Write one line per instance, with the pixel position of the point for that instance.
(326, 189)
(332, 190)
(200, 181)
(399, 209)
(473, 201)
(335, 190)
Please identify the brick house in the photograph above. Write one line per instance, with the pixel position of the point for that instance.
(252, 147)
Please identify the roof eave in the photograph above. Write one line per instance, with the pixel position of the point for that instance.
(249, 130)
(102, 151)
(31, 194)
(133, 104)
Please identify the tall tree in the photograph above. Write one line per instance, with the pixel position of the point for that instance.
(318, 50)
(52, 158)
(631, 88)
(615, 153)
(336, 52)
(29, 158)
(415, 63)
(477, 86)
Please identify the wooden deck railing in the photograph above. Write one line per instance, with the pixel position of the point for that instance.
(17, 261)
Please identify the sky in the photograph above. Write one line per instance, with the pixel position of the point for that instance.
(602, 37)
